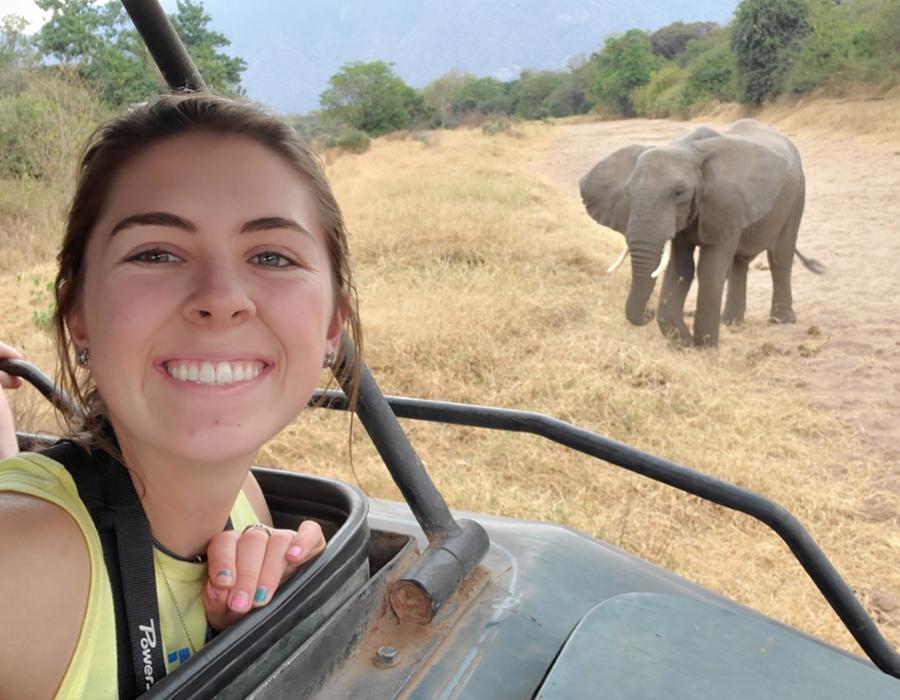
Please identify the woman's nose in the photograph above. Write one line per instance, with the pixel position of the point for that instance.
(220, 297)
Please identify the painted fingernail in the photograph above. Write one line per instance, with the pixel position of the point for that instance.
(212, 593)
(295, 552)
(260, 594)
(240, 601)
(224, 576)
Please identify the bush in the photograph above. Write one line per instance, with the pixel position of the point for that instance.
(626, 62)
(672, 40)
(765, 36)
(663, 96)
(351, 141)
(828, 52)
(711, 77)
(496, 126)
(43, 127)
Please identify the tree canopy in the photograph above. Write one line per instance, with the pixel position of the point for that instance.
(626, 62)
(371, 98)
(765, 36)
(99, 42)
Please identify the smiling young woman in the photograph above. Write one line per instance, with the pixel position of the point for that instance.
(203, 284)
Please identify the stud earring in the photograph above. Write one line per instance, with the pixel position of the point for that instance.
(83, 357)
(328, 360)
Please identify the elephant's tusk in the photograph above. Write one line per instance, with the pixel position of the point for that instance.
(619, 261)
(664, 263)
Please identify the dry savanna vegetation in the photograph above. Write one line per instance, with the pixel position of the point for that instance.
(481, 281)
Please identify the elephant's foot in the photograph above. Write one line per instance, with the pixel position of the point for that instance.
(782, 314)
(706, 341)
(676, 333)
(736, 320)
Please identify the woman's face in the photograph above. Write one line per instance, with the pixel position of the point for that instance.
(208, 298)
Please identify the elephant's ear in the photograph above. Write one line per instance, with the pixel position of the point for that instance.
(603, 188)
(740, 182)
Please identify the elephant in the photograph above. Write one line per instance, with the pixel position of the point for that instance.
(732, 194)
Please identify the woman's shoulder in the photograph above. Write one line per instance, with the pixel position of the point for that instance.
(36, 474)
(46, 597)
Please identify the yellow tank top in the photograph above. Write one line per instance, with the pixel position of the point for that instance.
(93, 670)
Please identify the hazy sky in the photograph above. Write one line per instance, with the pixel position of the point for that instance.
(26, 8)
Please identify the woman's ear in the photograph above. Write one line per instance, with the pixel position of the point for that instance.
(76, 326)
(338, 318)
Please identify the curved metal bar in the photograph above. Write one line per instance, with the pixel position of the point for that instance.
(168, 52)
(43, 383)
(811, 557)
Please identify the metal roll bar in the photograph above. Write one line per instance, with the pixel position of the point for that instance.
(811, 557)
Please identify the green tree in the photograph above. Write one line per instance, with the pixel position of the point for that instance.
(440, 98)
(710, 69)
(485, 95)
(220, 71)
(534, 90)
(99, 43)
(827, 53)
(370, 97)
(625, 63)
(663, 96)
(672, 40)
(15, 47)
(765, 37)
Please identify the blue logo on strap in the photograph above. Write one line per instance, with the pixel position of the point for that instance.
(179, 656)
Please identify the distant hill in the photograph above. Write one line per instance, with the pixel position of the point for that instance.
(292, 47)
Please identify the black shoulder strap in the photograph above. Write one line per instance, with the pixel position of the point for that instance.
(106, 489)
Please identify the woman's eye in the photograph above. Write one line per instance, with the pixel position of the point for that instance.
(272, 259)
(156, 256)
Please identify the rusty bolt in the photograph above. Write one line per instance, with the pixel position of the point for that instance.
(385, 657)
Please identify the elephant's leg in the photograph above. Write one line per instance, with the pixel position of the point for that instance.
(676, 283)
(736, 298)
(781, 262)
(712, 271)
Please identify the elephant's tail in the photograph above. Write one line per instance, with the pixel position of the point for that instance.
(812, 265)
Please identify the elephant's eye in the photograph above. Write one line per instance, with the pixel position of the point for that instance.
(680, 192)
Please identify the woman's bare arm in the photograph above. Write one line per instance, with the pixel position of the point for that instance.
(43, 594)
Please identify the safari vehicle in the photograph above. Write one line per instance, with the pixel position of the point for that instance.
(409, 601)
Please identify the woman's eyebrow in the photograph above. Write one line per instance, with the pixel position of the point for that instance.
(154, 218)
(163, 218)
(267, 223)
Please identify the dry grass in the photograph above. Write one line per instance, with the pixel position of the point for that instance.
(480, 283)
(862, 116)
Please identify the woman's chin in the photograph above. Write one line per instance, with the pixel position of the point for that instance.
(215, 444)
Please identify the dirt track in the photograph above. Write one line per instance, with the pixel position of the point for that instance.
(846, 342)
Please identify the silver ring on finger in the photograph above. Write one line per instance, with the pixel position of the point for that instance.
(258, 526)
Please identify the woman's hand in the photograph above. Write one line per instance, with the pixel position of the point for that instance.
(245, 568)
(8, 444)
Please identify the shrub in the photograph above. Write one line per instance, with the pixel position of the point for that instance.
(764, 37)
(711, 76)
(663, 96)
(626, 62)
(496, 126)
(351, 141)
(42, 127)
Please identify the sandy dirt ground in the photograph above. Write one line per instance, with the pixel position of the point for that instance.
(846, 342)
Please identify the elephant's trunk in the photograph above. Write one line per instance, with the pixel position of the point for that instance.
(644, 259)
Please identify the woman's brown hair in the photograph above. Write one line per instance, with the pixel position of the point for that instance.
(118, 141)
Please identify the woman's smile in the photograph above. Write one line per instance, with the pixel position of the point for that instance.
(215, 372)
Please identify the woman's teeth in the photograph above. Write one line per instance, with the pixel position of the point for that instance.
(214, 373)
